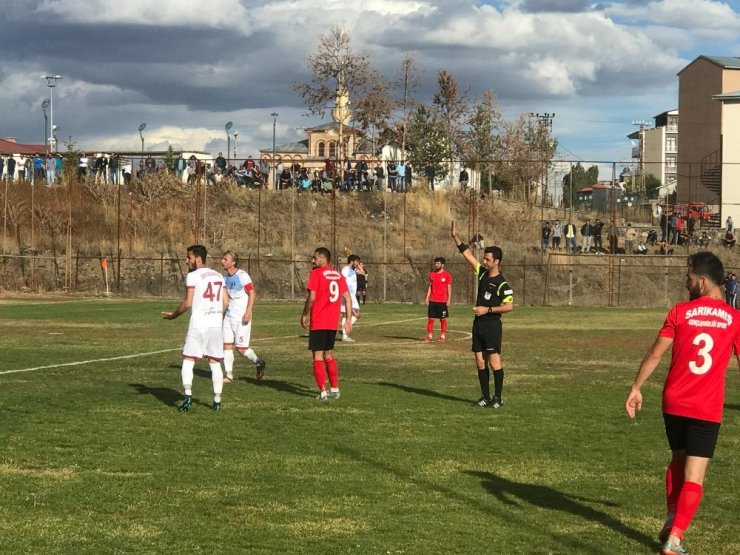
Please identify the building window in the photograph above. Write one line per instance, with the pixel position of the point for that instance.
(322, 149)
(670, 144)
(672, 124)
(332, 149)
(670, 162)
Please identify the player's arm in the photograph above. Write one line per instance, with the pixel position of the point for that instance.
(347, 310)
(647, 367)
(310, 299)
(449, 294)
(463, 248)
(186, 303)
(429, 294)
(250, 305)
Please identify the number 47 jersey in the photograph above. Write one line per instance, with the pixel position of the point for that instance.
(207, 308)
(330, 287)
(705, 333)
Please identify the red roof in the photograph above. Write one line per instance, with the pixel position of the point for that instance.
(11, 147)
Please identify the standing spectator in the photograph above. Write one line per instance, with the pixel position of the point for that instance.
(51, 169)
(409, 176)
(733, 290)
(392, 175)
(494, 298)
(401, 173)
(327, 289)
(613, 236)
(11, 168)
(237, 325)
(438, 299)
(350, 276)
(150, 165)
(463, 179)
(379, 177)
(264, 171)
(113, 169)
(569, 232)
(673, 228)
(598, 229)
(101, 167)
(545, 236)
(430, 173)
(59, 166)
(587, 232)
(38, 167)
(729, 224)
(279, 168)
(127, 169)
(21, 167)
(205, 338)
(361, 282)
(82, 164)
(663, 226)
(28, 164)
(2, 167)
(557, 233)
(725, 286)
(630, 235)
(693, 393)
(220, 162)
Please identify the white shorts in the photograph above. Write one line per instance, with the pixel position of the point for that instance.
(204, 342)
(237, 333)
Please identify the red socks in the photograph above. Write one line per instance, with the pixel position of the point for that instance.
(443, 324)
(686, 507)
(319, 373)
(673, 482)
(333, 369)
(430, 326)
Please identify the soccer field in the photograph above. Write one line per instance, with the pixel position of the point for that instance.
(96, 458)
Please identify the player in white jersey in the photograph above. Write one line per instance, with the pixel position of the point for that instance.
(238, 318)
(206, 298)
(350, 276)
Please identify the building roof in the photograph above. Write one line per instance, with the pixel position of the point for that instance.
(725, 62)
(11, 147)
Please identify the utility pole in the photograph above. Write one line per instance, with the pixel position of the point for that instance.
(641, 178)
(545, 128)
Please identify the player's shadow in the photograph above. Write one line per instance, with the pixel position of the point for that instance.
(513, 493)
(410, 337)
(284, 387)
(420, 391)
(730, 406)
(165, 395)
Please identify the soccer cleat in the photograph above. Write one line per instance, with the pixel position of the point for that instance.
(670, 548)
(216, 405)
(322, 396)
(348, 339)
(334, 395)
(185, 405)
(483, 402)
(495, 403)
(428, 338)
(666, 531)
(442, 338)
(229, 379)
(260, 369)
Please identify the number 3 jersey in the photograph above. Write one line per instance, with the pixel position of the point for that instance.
(705, 333)
(330, 287)
(207, 308)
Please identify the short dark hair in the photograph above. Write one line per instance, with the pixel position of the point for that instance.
(323, 251)
(440, 259)
(707, 264)
(497, 253)
(199, 250)
(351, 258)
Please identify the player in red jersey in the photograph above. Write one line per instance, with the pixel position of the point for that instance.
(327, 290)
(439, 295)
(703, 333)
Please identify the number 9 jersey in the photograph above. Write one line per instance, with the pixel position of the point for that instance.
(705, 333)
(330, 287)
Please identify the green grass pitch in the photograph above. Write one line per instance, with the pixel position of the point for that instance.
(96, 459)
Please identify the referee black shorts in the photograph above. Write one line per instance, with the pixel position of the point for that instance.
(487, 335)
(437, 310)
(321, 340)
(697, 437)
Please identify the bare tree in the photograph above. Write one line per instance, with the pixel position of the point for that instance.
(452, 107)
(408, 83)
(375, 107)
(482, 139)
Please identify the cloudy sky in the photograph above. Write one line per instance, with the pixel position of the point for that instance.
(186, 67)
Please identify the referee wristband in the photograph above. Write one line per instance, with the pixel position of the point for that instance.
(462, 247)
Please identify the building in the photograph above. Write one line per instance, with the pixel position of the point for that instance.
(705, 102)
(657, 150)
(602, 197)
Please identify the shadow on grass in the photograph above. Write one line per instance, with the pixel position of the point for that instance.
(517, 493)
(284, 387)
(730, 406)
(425, 392)
(165, 395)
(412, 338)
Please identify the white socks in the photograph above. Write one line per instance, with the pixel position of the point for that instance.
(218, 379)
(251, 355)
(187, 376)
(228, 361)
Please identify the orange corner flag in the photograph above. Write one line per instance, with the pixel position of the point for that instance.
(104, 263)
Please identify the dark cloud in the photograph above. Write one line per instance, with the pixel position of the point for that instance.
(555, 6)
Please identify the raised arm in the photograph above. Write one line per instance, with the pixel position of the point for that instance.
(464, 249)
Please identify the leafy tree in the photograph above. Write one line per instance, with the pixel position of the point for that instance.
(580, 178)
(482, 139)
(652, 186)
(451, 107)
(375, 107)
(408, 84)
(427, 142)
(169, 159)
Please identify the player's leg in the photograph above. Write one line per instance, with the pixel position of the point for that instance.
(242, 345)
(431, 316)
(484, 377)
(230, 328)
(196, 341)
(332, 369)
(317, 341)
(493, 352)
(186, 372)
(214, 354)
(443, 324)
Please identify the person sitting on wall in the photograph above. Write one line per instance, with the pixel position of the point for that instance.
(729, 239)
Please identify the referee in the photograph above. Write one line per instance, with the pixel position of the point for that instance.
(494, 298)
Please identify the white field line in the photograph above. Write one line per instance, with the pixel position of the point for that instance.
(150, 353)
